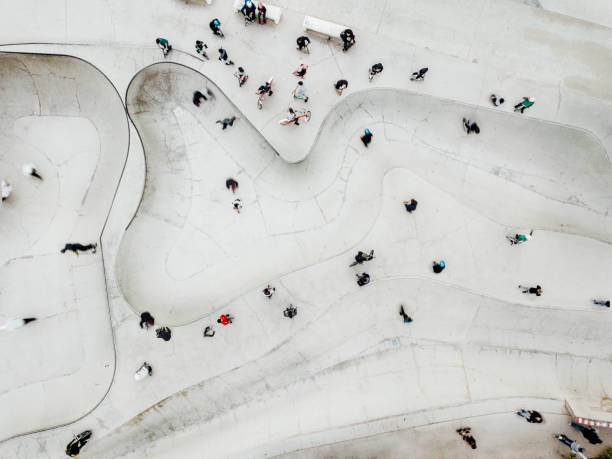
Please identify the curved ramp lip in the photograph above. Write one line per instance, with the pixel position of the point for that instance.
(89, 411)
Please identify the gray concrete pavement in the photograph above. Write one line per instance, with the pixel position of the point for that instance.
(187, 256)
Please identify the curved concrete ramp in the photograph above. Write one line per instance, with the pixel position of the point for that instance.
(188, 253)
(65, 117)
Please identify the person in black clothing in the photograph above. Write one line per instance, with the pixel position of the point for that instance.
(303, 43)
(537, 290)
(531, 416)
(411, 206)
(269, 291)
(420, 75)
(406, 317)
(362, 280)
(375, 70)
(75, 247)
(209, 332)
(261, 13)
(248, 10)
(590, 433)
(223, 57)
(340, 86)
(197, 98)
(366, 138)
(227, 122)
(348, 39)
(164, 333)
(231, 183)
(147, 320)
(470, 126)
(467, 436)
(361, 256)
(438, 267)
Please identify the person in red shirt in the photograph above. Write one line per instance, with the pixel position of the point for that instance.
(224, 319)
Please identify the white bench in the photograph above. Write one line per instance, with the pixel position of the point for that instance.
(330, 29)
(273, 13)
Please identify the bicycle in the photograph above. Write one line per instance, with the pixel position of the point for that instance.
(299, 114)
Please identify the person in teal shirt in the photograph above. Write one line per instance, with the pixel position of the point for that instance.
(164, 45)
(525, 103)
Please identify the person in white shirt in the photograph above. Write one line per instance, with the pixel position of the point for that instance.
(30, 170)
(14, 324)
(7, 188)
(300, 92)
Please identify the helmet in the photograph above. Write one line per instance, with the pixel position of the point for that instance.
(442, 264)
(367, 132)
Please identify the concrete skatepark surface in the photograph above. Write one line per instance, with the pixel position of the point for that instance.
(346, 377)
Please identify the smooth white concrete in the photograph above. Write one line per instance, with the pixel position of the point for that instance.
(259, 379)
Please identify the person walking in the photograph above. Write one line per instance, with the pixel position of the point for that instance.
(520, 238)
(14, 324)
(420, 75)
(438, 267)
(163, 44)
(237, 204)
(30, 171)
(76, 247)
(366, 138)
(290, 312)
(406, 317)
(466, 436)
(225, 319)
(497, 100)
(470, 126)
(588, 432)
(531, 416)
(340, 86)
(146, 320)
(301, 71)
(525, 103)
(537, 290)
(261, 13)
(269, 291)
(604, 303)
(199, 47)
(232, 184)
(208, 332)
(362, 256)
(410, 206)
(300, 92)
(227, 122)
(363, 279)
(375, 70)
(164, 333)
(144, 371)
(223, 57)
(197, 98)
(574, 446)
(241, 75)
(348, 39)
(7, 189)
(303, 43)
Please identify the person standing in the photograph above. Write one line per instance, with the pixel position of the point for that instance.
(232, 184)
(225, 319)
(537, 290)
(208, 332)
(30, 171)
(531, 416)
(438, 267)
(7, 189)
(300, 92)
(269, 291)
(197, 98)
(470, 126)
(164, 333)
(525, 103)
(76, 247)
(406, 317)
(223, 57)
(146, 320)
(241, 75)
(363, 279)
(215, 26)
(410, 206)
(163, 44)
(261, 13)
(237, 204)
(375, 70)
(340, 86)
(303, 43)
(366, 138)
(497, 100)
(420, 75)
(199, 47)
(14, 324)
